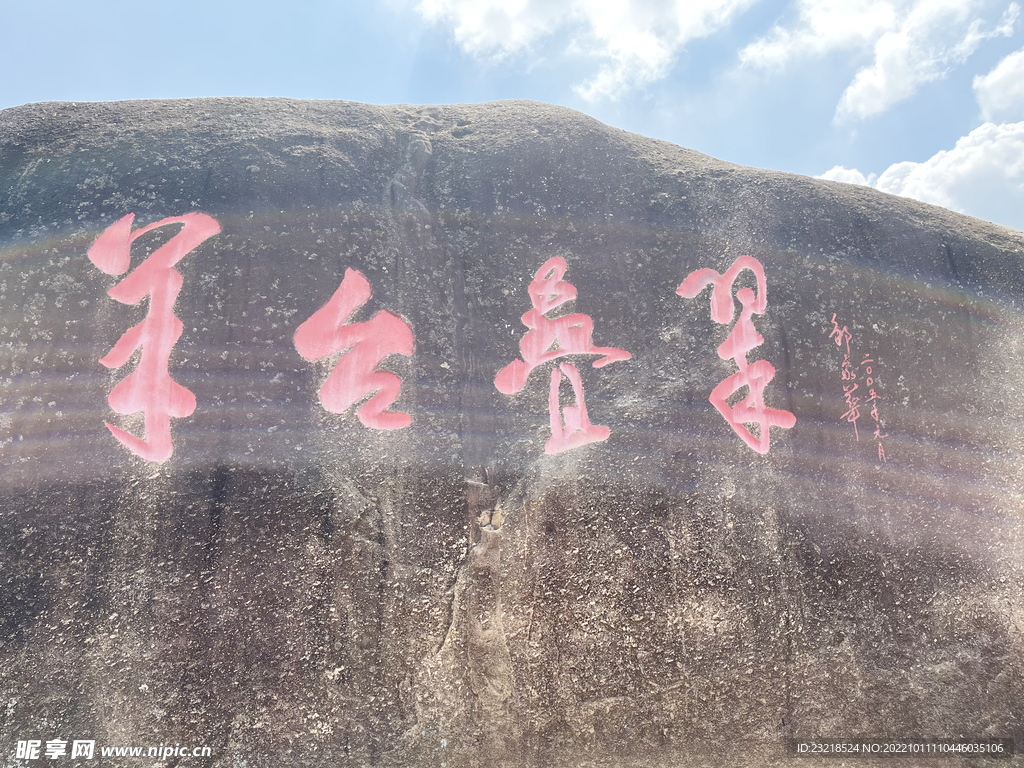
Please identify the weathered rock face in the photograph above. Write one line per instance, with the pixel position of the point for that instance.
(292, 587)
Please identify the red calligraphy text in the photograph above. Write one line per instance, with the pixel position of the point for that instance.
(849, 373)
(150, 388)
(741, 340)
(364, 345)
(843, 336)
(549, 339)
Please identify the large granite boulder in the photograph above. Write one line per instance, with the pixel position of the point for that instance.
(683, 540)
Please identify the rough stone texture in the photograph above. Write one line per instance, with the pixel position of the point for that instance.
(294, 589)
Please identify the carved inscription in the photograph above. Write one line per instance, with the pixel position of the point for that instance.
(150, 388)
(742, 339)
(549, 339)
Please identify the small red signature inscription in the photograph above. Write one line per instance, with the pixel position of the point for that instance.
(552, 338)
(363, 346)
(843, 337)
(150, 388)
(741, 339)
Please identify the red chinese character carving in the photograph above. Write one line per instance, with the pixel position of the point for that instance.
(366, 344)
(741, 340)
(577, 430)
(841, 335)
(150, 388)
(552, 338)
(872, 398)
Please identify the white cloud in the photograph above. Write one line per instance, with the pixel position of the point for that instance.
(927, 44)
(847, 176)
(913, 42)
(983, 175)
(638, 40)
(826, 25)
(1000, 93)
(497, 28)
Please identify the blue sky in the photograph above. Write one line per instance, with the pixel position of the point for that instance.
(917, 97)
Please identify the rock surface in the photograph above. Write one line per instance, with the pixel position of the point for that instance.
(292, 588)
